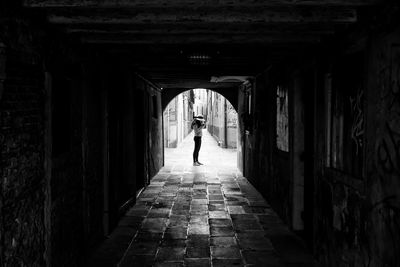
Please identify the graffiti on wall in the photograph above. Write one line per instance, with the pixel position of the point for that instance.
(282, 119)
(387, 153)
(388, 145)
(232, 118)
(357, 126)
(394, 105)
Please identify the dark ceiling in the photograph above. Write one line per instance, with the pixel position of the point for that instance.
(183, 43)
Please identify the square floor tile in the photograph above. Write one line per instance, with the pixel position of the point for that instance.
(197, 262)
(197, 252)
(216, 207)
(227, 263)
(198, 219)
(154, 224)
(225, 252)
(221, 231)
(148, 236)
(173, 243)
(199, 207)
(198, 241)
(178, 221)
(143, 248)
(236, 210)
(221, 202)
(169, 264)
(220, 222)
(196, 229)
(223, 241)
(199, 212)
(200, 201)
(176, 233)
(218, 215)
(247, 225)
(170, 254)
(159, 213)
(215, 197)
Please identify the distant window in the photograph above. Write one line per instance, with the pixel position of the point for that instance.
(282, 119)
(155, 106)
(345, 117)
(247, 118)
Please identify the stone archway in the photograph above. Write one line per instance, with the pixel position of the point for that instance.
(231, 94)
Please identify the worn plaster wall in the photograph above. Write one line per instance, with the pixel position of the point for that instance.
(173, 120)
(22, 228)
(155, 155)
(150, 129)
(93, 153)
(50, 210)
(265, 166)
(222, 120)
(383, 150)
(67, 168)
(22, 160)
(355, 221)
(347, 231)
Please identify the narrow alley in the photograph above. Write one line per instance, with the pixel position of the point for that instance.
(206, 215)
(301, 154)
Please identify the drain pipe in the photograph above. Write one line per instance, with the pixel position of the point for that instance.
(226, 125)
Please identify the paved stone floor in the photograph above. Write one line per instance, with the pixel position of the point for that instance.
(206, 215)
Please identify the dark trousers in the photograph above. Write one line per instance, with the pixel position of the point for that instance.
(197, 145)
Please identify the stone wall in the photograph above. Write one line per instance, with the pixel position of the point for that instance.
(265, 166)
(383, 151)
(222, 120)
(356, 215)
(350, 213)
(57, 193)
(154, 158)
(22, 230)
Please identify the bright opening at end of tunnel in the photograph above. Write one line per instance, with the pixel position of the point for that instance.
(219, 135)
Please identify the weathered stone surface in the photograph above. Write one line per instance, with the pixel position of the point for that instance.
(197, 262)
(197, 240)
(262, 258)
(225, 253)
(170, 254)
(223, 241)
(22, 177)
(227, 262)
(197, 252)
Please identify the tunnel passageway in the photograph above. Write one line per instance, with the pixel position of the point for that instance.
(91, 93)
(214, 157)
(206, 215)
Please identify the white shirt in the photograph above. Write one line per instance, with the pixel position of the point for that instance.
(198, 129)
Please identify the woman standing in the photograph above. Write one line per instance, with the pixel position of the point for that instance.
(198, 124)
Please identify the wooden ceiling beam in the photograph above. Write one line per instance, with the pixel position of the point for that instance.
(189, 27)
(192, 3)
(184, 39)
(179, 31)
(182, 17)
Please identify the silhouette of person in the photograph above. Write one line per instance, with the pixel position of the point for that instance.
(198, 124)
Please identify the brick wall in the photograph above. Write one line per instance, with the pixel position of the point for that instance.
(383, 152)
(22, 160)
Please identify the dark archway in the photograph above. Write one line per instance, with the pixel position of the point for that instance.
(231, 94)
(224, 128)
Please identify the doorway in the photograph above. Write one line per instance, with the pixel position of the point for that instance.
(221, 126)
